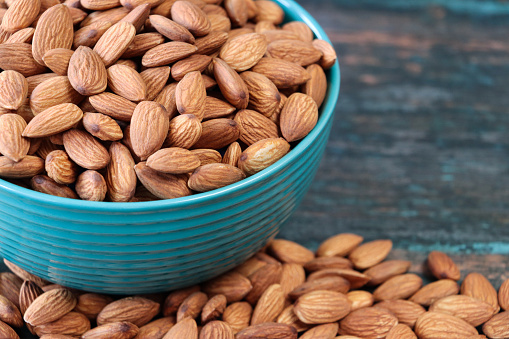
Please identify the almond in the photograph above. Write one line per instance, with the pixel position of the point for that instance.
(24, 275)
(162, 185)
(406, 311)
(149, 127)
(60, 167)
(386, 270)
(401, 331)
(288, 251)
(219, 22)
(292, 276)
(184, 131)
(336, 284)
(370, 253)
(261, 279)
(398, 287)
(186, 328)
(192, 306)
(231, 84)
(173, 160)
(300, 52)
(232, 285)
(368, 322)
(113, 16)
(86, 72)
(91, 304)
(54, 30)
(171, 29)
(114, 330)
(91, 186)
(503, 295)
(268, 330)
(53, 120)
(102, 126)
(20, 14)
(434, 325)
(99, 5)
(36, 80)
(155, 79)
(214, 308)
(213, 176)
(89, 35)
(477, 286)
(10, 287)
(126, 82)
(139, 15)
(156, 328)
(237, 11)
(29, 291)
(18, 57)
(73, 324)
(237, 315)
(7, 332)
(167, 53)
(54, 91)
(85, 150)
(269, 306)
(442, 266)
(434, 291)
(328, 53)
(130, 4)
(211, 42)
(9, 313)
(114, 42)
(283, 73)
(262, 26)
(23, 35)
(473, 311)
(321, 306)
(232, 154)
(497, 327)
(216, 329)
(193, 63)
(191, 17)
(316, 87)
(321, 263)
(300, 29)
(244, 51)
(207, 156)
(141, 44)
(12, 143)
(25, 168)
(58, 60)
(167, 98)
(113, 105)
(264, 96)
(45, 184)
(262, 154)
(269, 11)
(339, 245)
(278, 34)
(359, 299)
(49, 306)
(120, 177)
(255, 127)
(322, 331)
(190, 95)
(298, 117)
(217, 133)
(175, 299)
(355, 278)
(136, 310)
(13, 89)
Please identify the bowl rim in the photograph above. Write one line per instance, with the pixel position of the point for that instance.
(326, 115)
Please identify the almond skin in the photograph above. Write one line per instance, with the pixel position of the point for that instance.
(193, 63)
(255, 127)
(292, 276)
(156, 328)
(9, 313)
(49, 306)
(175, 299)
(136, 310)
(207, 156)
(217, 133)
(167, 53)
(244, 51)
(54, 30)
(53, 120)
(173, 160)
(23, 35)
(477, 286)
(141, 44)
(126, 82)
(434, 291)
(370, 253)
(54, 91)
(91, 186)
(237, 315)
(190, 95)
(60, 167)
(288, 251)
(298, 117)
(20, 14)
(18, 57)
(269, 11)
(213, 176)
(211, 42)
(262, 154)
(191, 17)
(269, 306)
(162, 185)
(102, 126)
(237, 10)
(232, 285)
(321, 306)
(268, 330)
(149, 127)
(321, 331)
(213, 309)
(114, 42)
(316, 87)
(473, 311)
(398, 287)
(386, 270)
(232, 154)
(503, 295)
(355, 278)
(171, 29)
(442, 266)
(359, 299)
(339, 245)
(12, 143)
(85, 150)
(120, 174)
(300, 29)
(114, 330)
(261, 279)
(321, 263)
(13, 89)
(58, 60)
(283, 73)
(186, 328)
(113, 105)
(432, 325)
(336, 284)
(91, 304)
(264, 96)
(329, 57)
(155, 78)
(89, 35)
(300, 52)
(406, 311)
(7, 332)
(192, 306)
(72, 324)
(45, 184)
(401, 331)
(25, 168)
(217, 329)
(496, 327)
(86, 72)
(368, 322)
(184, 131)
(231, 84)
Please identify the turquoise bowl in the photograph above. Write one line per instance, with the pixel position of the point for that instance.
(155, 246)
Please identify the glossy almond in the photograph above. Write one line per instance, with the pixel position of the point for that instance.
(268, 330)
(238, 315)
(49, 306)
(51, 92)
(53, 120)
(298, 117)
(113, 105)
(149, 127)
(114, 330)
(497, 327)
(244, 51)
(283, 73)
(13, 89)
(406, 311)
(264, 96)
(231, 84)
(398, 287)
(58, 60)
(237, 11)
(434, 325)
(269, 306)
(190, 95)
(136, 310)
(477, 286)
(191, 17)
(434, 291)
(18, 57)
(85, 150)
(60, 167)
(25, 168)
(54, 30)
(368, 322)
(20, 14)
(217, 133)
(86, 72)
(442, 266)
(126, 82)
(385, 270)
(321, 306)
(370, 253)
(114, 42)
(262, 154)
(232, 285)
(167, 53)
(12, 143)
(213, 176)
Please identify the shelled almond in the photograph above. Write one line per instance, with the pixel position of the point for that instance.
(158, 77)
(274, 294)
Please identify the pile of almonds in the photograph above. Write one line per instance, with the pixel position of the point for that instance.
(137, 100)
(344, 290)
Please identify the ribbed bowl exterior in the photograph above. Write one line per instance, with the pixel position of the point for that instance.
(155, 246)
